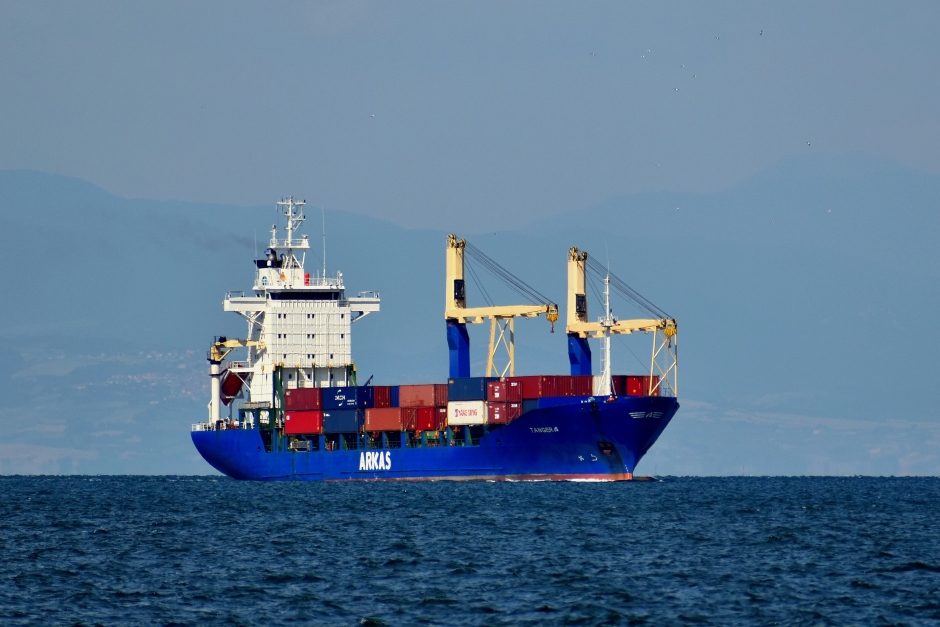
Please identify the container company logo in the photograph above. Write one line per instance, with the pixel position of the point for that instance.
(460, 412)
(375, 461)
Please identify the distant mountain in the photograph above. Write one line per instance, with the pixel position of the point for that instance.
(804, 298)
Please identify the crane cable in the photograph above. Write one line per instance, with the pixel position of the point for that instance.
(625, 290)
(512, 281)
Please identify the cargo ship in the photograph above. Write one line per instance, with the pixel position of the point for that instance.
(291, 408)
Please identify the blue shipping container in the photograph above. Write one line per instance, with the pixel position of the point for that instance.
(348, 397)
(342, 421)
(468, 388)
(394, 397)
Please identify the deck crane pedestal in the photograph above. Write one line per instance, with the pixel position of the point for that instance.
(502, 317)
(219, 350)
(664, 359)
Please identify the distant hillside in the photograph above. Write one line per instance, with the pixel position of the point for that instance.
(804, 298)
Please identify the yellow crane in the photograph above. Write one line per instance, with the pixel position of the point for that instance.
(219, 350)
(223, 346)
(502, 317)
(664, 355)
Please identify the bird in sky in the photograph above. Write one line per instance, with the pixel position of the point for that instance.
(593, 54)
(807, 143)
(677, 89)
(762, 32)
(683, 65)
(716, 38)
(373, 115)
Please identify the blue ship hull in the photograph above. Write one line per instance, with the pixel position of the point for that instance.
(563, 439)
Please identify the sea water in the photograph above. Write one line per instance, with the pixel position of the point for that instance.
(709, 551)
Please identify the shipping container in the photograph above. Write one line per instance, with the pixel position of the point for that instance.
(382, 396)
(387, 418)
(582, 385)
(393, 397)
(636, 386)
(351, 397)
(303, 422)
(507, 390)
(466, 412)
(429, 418)
(468, 388)
(644, 385)
(497, 413)
(538, 386)
(342, 420)
(303, 398)
(429, 395)
(502, 413)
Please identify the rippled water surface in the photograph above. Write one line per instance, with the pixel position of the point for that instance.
(722, 551)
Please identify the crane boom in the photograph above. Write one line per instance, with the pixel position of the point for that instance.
(458, 315)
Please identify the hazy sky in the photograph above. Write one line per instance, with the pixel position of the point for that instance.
(484, 113)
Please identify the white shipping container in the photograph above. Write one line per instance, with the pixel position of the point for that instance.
(466, 413)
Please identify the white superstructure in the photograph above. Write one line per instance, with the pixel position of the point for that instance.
(296, 320)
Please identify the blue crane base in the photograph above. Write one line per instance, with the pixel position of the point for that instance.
(458, 342)
(579, 354)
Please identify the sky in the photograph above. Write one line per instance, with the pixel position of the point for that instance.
(458, 115)
(800, 140)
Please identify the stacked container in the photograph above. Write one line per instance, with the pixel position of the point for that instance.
(389, 418)
(382, 396)
(538, 386)
(507, 390)
(502, 413)
(430, 395)
(352, 397)
(303, 398)
(430, 419)
(461, 413)
(468, 388)
(342, 420)
(424, 407)
(303, 422)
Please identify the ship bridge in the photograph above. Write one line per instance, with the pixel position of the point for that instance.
(298, 322)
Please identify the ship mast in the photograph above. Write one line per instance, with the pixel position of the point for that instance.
(607, 321)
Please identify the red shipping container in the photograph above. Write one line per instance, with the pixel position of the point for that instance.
(303, 422)
(502, 413)
(427, 418)
(409, 417)
(538, 386)
(385, 419)
(382, 396)
(565, 385)
(497, 413)
(504, 391)
(635, 386)
(644, 386)
(303, 398)
(430, 395)
(582, 385)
